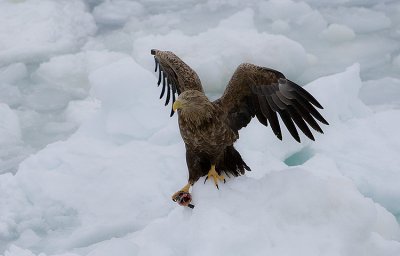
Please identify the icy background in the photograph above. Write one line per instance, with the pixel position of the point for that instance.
(89, 157)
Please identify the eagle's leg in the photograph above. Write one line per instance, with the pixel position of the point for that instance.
(213, 173)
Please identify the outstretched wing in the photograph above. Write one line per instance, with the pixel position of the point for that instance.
(176, 76)
(264, 93)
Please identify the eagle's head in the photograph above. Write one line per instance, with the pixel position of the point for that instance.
(194, 105)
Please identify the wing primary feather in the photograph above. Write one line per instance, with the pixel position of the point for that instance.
(163, 88)
(270, 94)
(307, 117)
(173, 90)
(305, 94)
(262, 118)
(310, 108)
(155, 60)
(300, 122)
(168, 93)
(159, 77)
(258, 112)
(289, 124)
(270, 115)
(173, 100)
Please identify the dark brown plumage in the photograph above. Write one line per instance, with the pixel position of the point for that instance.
(209, 129)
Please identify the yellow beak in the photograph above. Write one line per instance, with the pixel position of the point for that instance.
(177, 105)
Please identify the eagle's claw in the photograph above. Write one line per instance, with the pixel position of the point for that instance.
(213, 173)
(175, 197)
(183, 198)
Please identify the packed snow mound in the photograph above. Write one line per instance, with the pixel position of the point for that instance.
(9, 125)
(13, 73)
(280, 214)
(117, 12)
(360, 19)
(11, 149)
(337, 33)
(287, 16)
(69, 73)
(123, 89)
(380, 93)
(45, 105)
(346, 2)
(37, 29)
(342, 102)
(220, 50)
(355, 135)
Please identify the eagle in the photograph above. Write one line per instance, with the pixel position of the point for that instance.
(210, 128)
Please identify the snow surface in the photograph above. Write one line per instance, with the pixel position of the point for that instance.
(89, 157)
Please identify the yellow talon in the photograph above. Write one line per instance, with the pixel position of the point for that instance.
(213, 173)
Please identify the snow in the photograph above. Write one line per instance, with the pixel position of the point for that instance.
(69, 73)
(337, 33)
(10, 130)
(89, 157)
(10, 138)
(215, 61)
(37, 29)
(261, 218)
(360, 19)
(116, 12)
(13, 73)
(342, 102)
(383, 92)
